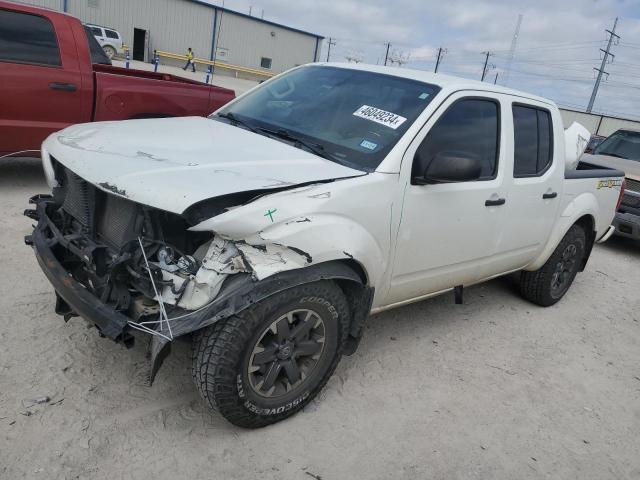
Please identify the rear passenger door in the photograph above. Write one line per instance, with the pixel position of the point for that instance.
(40, 81)
(538, 172)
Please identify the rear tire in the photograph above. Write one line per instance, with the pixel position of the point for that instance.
(266, 363)
(549, 283)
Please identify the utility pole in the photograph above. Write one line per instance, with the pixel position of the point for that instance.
(486, 61)
(607, 54)
(441, 52)
(386, 56)
(331, 42)
(495, 80)
(512, 50)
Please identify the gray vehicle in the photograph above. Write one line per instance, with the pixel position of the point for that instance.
(621, 150)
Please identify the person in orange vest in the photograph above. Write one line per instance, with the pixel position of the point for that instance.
(190, 60)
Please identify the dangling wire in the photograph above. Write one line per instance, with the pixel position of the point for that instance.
(163, 312)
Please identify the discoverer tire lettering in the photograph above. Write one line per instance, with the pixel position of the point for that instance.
(221, 353)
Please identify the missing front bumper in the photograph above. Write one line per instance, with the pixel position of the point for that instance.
(72, 297)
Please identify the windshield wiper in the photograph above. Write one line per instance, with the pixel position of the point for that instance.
(235, 121)
(314, 148)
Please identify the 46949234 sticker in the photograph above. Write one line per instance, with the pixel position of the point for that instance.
(388, 119)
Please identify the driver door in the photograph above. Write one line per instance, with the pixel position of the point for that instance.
(448, 232)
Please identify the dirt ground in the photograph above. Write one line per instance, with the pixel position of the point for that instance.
(493, 389)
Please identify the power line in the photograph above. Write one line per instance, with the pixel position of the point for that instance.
(607, 54)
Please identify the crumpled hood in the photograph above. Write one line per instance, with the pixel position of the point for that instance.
(631, 168)
(173, 163)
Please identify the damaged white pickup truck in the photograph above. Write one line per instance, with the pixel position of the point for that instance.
(269, 232)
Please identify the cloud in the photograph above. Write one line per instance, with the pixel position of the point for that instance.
(557, 49)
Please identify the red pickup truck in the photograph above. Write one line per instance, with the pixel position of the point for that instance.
(54, 74)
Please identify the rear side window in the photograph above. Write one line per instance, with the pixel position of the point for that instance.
(533, 141)
(96, 31)
(26, 38)
(111, 34)
(471, 128)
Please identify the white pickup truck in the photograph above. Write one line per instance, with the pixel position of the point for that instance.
(271, 230)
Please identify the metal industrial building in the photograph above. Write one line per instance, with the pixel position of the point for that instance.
(214, 33)
(596, 123)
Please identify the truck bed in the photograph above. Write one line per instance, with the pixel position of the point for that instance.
(132, 72)
(595, 188)
(123, 93)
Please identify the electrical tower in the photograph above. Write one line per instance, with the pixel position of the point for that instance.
(512, 50)
(441, 52)
(399, 57)
(386, 56)
(607, 54)
(487, 66)
(354, 56)
(331, 42)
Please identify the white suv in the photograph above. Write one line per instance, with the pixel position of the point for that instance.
(109, 39)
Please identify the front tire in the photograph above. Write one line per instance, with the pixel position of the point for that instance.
(266, 363)
(549, 283)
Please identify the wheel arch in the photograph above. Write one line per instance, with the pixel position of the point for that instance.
(588, 224)
(582, 211)
(240, 292)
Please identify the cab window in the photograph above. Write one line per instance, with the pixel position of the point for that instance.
(470, 128)
(27, 38)
(533, 141)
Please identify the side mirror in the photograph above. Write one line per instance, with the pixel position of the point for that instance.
(451, 166)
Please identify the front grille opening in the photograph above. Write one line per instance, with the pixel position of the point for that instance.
(632, 185)
(624, 228)
(631, 200)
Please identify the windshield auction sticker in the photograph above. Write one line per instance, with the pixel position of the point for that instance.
(388, 119)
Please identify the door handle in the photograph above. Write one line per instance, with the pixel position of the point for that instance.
(65, 87)
(546, 196)
(495, 203)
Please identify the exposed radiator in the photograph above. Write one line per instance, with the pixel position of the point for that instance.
(116, 220)
(79, 198)
(105, 217)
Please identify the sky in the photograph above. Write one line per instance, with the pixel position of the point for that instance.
(557, 49)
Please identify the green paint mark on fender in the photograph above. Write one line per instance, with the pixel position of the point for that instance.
(270, 213)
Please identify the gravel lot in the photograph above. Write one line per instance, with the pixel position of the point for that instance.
(496, 388)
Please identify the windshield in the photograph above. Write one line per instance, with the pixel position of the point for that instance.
(349, 116)
(622, 144)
